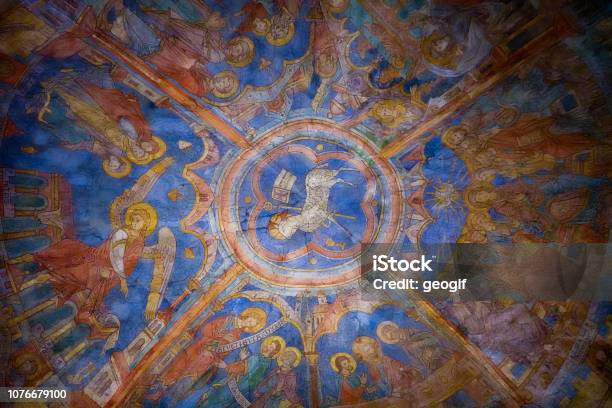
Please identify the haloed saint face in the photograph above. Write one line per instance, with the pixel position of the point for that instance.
(237, 51)
(247, 322)
(391, 333)
(223, 84)
(485, 196)
(441, 45)
(456, 137)
(28, 367)
(260, 25)
(215, 20)
(344, 363)
(138, 151)
(138, 222)
(147, 146)
(271, 348)
(366, 350)
(114, 163)
(344, 366)
(387, 114)
(286, 360)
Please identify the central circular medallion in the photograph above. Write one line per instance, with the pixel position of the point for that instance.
(297, 208)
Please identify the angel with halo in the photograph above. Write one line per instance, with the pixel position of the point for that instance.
(84, 274)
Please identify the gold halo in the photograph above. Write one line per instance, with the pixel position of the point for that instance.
(265, 30)
(258, 314)
(296, 352)
(151, 215)
(392, 104)
(381, 336)
(279, 42)
(248, 57)
(148, 156)
(126, 169)
(233, 89)
(269, 340)
(333, 361)
(19, 360)
(426, 49)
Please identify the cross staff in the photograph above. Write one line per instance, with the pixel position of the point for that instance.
(268, 205)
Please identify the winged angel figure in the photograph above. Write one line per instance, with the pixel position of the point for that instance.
(84, 275)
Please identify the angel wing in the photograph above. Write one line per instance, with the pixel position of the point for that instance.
(137, 192)
(163, 254)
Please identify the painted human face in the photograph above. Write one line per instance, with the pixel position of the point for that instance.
(248, 322)
(286, 360)
(344, 363)
(344, 366)
(366, 350)
(28, 367)
(391, 333)
(223, 84)
(216, 21)
(441, 45)
(138, 222)
(485, 196)
(387, 114)
(237, 51)
(114, 163)
(147, 146)
(260, 25)
(271, 348)
(138, 152)
(457, 137)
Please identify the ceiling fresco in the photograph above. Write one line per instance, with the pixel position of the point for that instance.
(189, 186)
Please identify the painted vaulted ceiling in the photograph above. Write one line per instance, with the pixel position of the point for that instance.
(187, 187)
